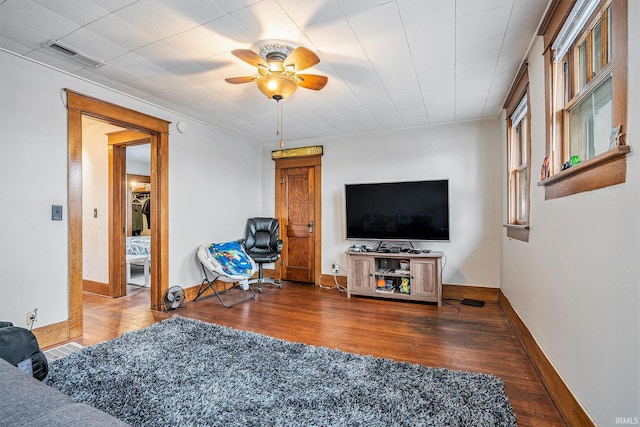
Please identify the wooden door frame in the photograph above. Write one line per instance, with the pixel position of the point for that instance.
(117, 152)
(158, 130)
(314, 162)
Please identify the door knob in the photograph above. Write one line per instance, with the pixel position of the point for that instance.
(310, 225)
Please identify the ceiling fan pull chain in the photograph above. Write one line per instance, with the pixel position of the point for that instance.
(279, 119)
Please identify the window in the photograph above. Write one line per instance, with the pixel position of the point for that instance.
(518, 157)
(586, 95)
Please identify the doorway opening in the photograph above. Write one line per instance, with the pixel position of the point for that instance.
(158, 133)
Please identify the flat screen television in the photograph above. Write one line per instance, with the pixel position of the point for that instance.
(406, 211)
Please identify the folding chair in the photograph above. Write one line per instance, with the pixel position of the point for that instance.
(226, 262)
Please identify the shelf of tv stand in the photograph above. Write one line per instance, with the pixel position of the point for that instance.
(425, 277)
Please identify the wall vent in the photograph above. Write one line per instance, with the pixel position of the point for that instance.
(74, 54)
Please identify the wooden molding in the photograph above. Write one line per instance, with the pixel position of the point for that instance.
(518, 232)
(158, 133)
(609, 168)
(573, 413)
(327, 280)
(52, 335)
(472, 292)
(96, 287)
(315, 150)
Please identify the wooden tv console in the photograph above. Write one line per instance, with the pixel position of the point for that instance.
(424, 274)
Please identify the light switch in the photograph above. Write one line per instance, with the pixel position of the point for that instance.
(56, 212)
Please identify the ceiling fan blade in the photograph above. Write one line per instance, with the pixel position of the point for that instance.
(312, 81)
(300, 58)
(239, 80)
(250, 57)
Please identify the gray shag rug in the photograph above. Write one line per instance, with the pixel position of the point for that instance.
(190, 373)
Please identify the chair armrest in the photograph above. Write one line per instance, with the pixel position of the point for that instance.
(279, 245)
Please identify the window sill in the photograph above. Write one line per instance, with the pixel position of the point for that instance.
(607, 169)
(517, 231)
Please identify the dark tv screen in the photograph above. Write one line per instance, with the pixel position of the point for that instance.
(414, 210)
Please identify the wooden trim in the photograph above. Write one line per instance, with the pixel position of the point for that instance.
(573, 413)
(137, 178)
(115, 114)
(327, 280)
(128, 137)
(96, 287)
(74, 129)
(518, 232)
(52, 335)
(315, 150)
(518, 89)
(158, 130)
(117, 214)
(620, 48)
(472, 292)
(554, 19)
(607, 169)
(160, 217)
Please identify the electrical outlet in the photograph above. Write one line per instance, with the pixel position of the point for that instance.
(32, 316)
(335, 268)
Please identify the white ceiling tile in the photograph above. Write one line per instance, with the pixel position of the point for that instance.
(20, 35)
(55, 60)
(470, 7)
(120, 32)
(111, 5)
(192, 12)
(391, 64)
(78, 12)
(11, 45)
(308, 13)
(165, 56)
(264, 20)
(136, 65)
(37, 18)
(93, 44)
(481, 25)
(146, 14)
(351, 6)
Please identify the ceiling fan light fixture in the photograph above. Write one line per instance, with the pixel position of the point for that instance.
(277, 85)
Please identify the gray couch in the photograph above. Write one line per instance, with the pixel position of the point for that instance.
(28, 402)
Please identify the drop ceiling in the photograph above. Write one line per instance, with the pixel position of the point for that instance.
(391, 64)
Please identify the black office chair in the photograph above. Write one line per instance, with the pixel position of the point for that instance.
(262, 243)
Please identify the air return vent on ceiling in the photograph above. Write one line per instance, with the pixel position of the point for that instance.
(74, 54)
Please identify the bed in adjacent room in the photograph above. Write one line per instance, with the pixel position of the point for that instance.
(138, 252)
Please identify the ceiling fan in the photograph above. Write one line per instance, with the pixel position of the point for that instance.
(278, 64)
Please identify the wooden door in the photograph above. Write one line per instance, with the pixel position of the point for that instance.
(298, 210)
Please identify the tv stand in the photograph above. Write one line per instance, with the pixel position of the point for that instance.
(423, 276)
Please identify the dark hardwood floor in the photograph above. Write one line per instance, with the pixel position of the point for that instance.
(470, 339)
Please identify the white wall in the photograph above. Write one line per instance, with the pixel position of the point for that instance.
(214, 185)
(575, 284)
(95, 195)
(468, 154)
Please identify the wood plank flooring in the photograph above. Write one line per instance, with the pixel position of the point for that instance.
(470, 339)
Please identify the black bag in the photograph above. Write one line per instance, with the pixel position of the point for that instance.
(19, 347)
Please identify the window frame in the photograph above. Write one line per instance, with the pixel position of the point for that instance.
(605, 169)
(517, 229)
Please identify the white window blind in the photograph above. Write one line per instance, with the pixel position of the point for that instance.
(575, 22)
(519, 112)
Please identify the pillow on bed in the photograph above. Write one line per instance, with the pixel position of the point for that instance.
(232, 258)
